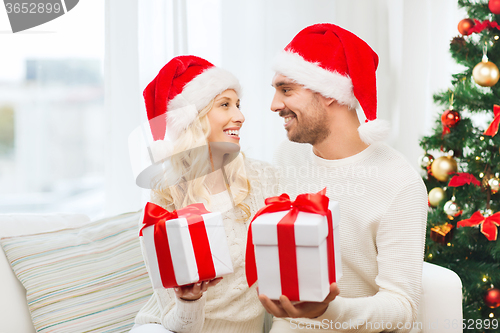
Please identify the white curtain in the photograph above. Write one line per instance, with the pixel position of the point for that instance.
(411, 38)
(122, 102)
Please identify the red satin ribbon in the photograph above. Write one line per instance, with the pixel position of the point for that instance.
(488, 224)
(156, 216)
(480, 26)
(312, 203)
(492, 130)
(463, 178)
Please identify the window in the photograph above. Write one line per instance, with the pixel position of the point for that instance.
(52, 116)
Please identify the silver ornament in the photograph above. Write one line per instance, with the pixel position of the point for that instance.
(425, 161)
(494, 185)
(452, 209)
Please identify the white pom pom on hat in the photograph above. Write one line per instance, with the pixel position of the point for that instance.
(334, 62)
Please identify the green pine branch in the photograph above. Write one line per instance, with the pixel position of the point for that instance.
(468, 252)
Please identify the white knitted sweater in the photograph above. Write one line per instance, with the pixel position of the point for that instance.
(383, 209)
(230, 306)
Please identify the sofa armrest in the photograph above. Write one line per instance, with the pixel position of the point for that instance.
(14, 313)
(440, 308)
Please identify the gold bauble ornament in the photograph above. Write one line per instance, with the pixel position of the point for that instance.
(436, 195)
(442, 167)
(486, 73)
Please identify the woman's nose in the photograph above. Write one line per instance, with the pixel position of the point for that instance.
(238, 116)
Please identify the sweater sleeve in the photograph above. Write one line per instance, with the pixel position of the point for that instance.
(185, 316)
(400, 239)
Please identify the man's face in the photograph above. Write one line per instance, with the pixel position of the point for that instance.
(304, 114)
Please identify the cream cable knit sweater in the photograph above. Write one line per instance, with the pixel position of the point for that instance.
(230, 306)
(383, 208)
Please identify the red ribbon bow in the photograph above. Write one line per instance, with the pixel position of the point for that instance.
(493, 128)
(480, 26)
(463, 178)
(316, 203)
(488, 224)
(156, 216)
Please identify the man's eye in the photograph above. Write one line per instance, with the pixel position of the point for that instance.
(285, 90)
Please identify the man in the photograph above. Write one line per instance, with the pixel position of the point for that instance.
(320, 78)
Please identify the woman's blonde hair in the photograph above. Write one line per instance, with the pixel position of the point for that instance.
(183, 183)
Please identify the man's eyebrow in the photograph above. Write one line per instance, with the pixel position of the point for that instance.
(282, 83)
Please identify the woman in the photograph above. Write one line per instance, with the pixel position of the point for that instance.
(196, 106)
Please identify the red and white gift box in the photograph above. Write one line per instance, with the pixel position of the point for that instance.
(184, 246)
(293, 247)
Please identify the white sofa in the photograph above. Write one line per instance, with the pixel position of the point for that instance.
(77, 272)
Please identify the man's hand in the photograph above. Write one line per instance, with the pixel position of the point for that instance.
(194, 291)
(285, 308)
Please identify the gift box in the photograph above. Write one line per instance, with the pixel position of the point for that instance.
(184, 246)
(295, 247)
(442, 233)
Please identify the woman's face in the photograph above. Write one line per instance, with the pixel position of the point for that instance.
(225, 118)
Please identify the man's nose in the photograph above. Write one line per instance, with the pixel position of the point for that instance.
(277, 103)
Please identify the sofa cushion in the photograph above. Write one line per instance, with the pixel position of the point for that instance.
(14, 312)
(88, 278)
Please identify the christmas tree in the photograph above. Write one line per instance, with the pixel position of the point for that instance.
(462, 160)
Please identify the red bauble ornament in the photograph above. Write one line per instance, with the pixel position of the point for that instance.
(450, 118)
(465, 25)
(494, 6)
(492, 298)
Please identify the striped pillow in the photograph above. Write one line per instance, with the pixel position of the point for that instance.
(87, 279)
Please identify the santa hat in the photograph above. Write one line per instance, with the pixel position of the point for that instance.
(183, 87)
(338, 64)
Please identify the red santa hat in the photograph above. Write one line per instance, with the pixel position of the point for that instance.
(338, 64)
(183, 87)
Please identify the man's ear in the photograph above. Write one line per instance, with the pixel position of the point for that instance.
(327, 101)
(330, 101)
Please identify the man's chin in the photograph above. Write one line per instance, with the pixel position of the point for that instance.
(294, 138)
(298, 138)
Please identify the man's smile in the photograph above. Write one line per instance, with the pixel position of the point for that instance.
(288, 117)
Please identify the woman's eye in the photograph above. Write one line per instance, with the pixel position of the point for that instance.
(238, 106)
(224, 104)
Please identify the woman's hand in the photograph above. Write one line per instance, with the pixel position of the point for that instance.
(192, 292)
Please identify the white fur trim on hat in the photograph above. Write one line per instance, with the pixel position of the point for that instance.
(373, 131)
(196, 94)
(315, 78)
(180, 118)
